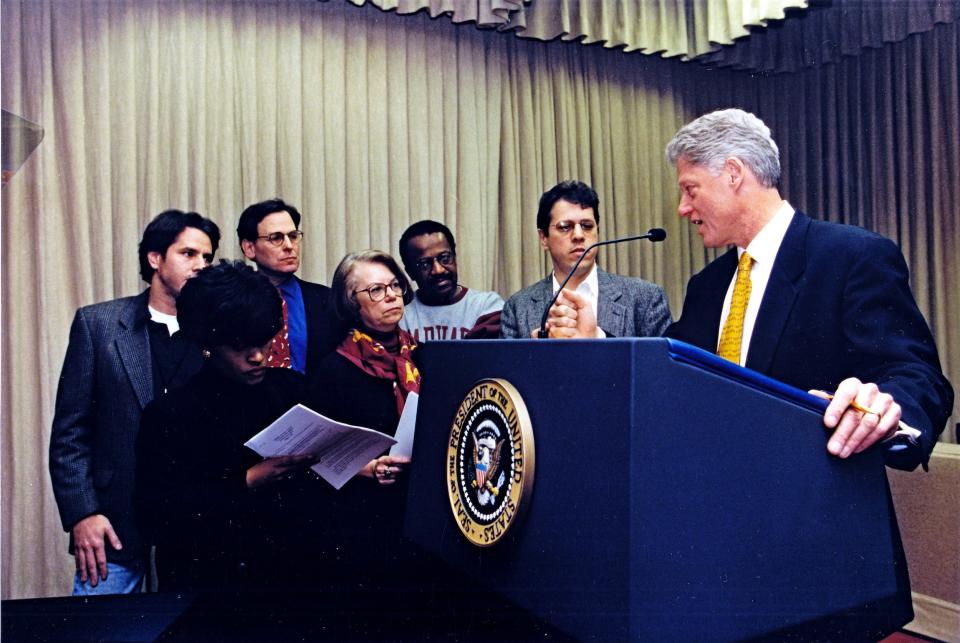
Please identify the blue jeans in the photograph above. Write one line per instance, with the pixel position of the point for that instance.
(121, 579)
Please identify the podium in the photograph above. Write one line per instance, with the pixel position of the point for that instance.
(674, 498)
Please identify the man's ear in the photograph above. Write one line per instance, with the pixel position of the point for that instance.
(154, 258)
(249, 251)
(543, 239)
(735, 171)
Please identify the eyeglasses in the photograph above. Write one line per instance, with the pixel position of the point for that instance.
(566, 227)
(446, 259)
(376, 292)
(276, 238)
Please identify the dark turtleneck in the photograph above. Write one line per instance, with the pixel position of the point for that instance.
(390, 340)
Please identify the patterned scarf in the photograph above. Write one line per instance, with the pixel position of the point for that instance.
(373, 359)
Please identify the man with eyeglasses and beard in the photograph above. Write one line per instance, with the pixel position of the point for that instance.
(568, 221)
(270, 236)
(441, 307)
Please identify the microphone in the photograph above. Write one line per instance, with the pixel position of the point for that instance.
(653, 234)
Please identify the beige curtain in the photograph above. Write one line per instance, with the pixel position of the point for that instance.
(685, 28)
(368, 122)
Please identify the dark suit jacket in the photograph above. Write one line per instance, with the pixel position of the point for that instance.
(626, 307)
(324, 330)
(838, 305)
(106, 381)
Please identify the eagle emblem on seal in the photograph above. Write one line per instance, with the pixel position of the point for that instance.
(486, 465)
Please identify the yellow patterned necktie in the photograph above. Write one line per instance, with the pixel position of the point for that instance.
(732, 336)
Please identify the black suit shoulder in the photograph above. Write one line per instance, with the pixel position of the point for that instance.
(324, 329)
(314, 291)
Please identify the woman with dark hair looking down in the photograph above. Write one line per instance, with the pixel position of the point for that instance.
(219, 515)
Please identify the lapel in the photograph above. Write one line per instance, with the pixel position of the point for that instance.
(312, 315)
(610, 312)
(780, 295)
(133, 346)
(713, 290)
(540, 296)
(309, 309)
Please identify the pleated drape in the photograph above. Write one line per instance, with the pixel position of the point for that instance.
(668, 27)
(828, 32)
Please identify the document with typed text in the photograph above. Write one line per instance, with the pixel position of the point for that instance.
(344, 449)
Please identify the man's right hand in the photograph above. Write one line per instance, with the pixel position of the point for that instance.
(572, 317)
(88, 539)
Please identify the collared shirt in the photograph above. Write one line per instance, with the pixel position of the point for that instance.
(168, 352)
(296, 323)
(589, 288)
(763, 249)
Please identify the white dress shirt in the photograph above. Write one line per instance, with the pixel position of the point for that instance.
(589, 289)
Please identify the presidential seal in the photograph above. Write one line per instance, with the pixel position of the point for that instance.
(490, 461)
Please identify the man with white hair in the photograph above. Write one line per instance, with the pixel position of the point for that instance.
(818, 305)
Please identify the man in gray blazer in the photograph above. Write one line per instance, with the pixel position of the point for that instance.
(568, 220)
(122, 353)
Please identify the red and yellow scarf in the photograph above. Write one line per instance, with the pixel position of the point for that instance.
(373, 359)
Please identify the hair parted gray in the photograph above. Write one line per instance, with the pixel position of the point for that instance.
(713, 138)
(344, 283)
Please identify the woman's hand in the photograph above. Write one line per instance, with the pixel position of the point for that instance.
(273, 470)
(385, 468)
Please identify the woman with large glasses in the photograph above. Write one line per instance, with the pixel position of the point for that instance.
(219, 515)
(366, 382)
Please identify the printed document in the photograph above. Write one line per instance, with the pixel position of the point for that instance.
(344, 449)
(408, 422)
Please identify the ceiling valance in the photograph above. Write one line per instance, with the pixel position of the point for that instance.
(828, 32)
(750, 35)
(666, 27)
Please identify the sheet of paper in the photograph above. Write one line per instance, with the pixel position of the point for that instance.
(406, 427)
(344, 449)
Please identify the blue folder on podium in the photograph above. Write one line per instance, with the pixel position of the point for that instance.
(676, 497)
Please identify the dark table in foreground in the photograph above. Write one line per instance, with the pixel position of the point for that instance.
(333, 615)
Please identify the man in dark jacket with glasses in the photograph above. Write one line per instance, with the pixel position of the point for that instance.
(270, 236)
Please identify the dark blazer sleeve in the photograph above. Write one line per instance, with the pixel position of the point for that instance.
(890, 344)
(71, 438)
